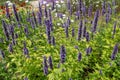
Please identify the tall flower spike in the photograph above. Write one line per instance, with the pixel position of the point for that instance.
(10, 48)
(79, 56)
(66, 31)
(45, 12)
(84, 31)
(80, 30)
(103, 8)
(45, 66)
(73, 32)
(87, 37)
(53, 41)
(39, 18)
(90, 11)
(62, 54)
(115, 51)
(95, 21)
(5, 30)
(7, 11)
(50, 62)
(114, 28)
(15, 13)
(40, 9)
(3, 54)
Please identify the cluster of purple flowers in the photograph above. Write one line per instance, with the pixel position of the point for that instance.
(115, 51)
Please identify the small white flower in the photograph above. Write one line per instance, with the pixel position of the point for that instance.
(8, 2)
(47, 5)
(58, 5)
(62, 1)
(26, 1)
(72, 20)
(57, 1)
(58, 24)
(56, 14)
(20, 0)
(44, 2)
(64, 15)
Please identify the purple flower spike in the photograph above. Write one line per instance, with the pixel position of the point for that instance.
(73, 32)
(50, 62)
(5, 30)
(103, 8)
(15, 13)
(10, 48)
(45, 66)
(53, 41)
(80, 30)
(114, 28)
(79, 56)
(62, 54)
(7, 11)
(115, 51)
(90, 11)
(40, 9)
(87, 37)
(88, 50)
(3, 54)
(84, 31)
(95, 21)
(66, 31)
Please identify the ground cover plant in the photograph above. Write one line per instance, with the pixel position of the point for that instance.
(57, 43)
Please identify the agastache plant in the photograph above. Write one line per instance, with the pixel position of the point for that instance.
(53, 41)
(15, 12)
(87, 37)
(88, 50)
(115, 51)
(80, 30)
(48, 30)
(62, 54)
(90, 11)
(103, 8)
(66, 31)
(40, 9)
(114, 28)
(79, 56)
(95, 21)
(50, 62)
(73, 32)
(45, 66)
(39, 18)
(45, 12)
(5, 30)
(10, 48)
(7, 11)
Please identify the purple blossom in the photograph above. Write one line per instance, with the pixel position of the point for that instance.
(66, 31)
(25, 78)
(80, 30)
(87, 37)
(62, 54)
(107, 17)
(90, 11)
(3, 54)
(45, 66)
(53, 41)
(53, 5)
(115, 51)
(39, 18)
(48, 30)
(10, 48)
(95, 21)
(7, 11)
(103, 8)
(109, 9)
(88, 50)
(34, 17)
(84, 31)
(32, 23)
(15, 13)
(50, 62)
(79, 56)
(73, 32)
(45, 12)
(5, 30)
(114, 28)
(40, 9)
